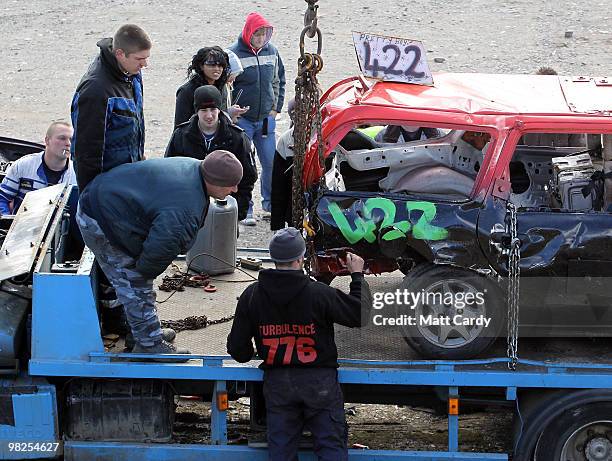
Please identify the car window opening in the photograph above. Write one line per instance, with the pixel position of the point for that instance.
(412, 160)
(560, 171)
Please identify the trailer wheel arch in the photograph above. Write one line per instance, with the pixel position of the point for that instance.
(540, 409)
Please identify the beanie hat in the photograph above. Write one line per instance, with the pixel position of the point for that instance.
(287, 245)
(221, 168)
(235, 66)
(205, 97)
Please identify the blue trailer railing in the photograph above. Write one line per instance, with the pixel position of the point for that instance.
(453, 375)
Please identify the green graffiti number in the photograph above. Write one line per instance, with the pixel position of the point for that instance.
(423, 229)
(366, 228)
(363, 229)
(399, 229)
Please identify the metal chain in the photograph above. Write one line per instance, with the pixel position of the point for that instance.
(307, 110)
(310, 18)
(514, 272)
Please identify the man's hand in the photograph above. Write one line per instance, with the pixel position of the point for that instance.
(273, 114)
(354, 263)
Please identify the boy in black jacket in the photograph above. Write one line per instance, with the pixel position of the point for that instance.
(208, 130)
(292, 320)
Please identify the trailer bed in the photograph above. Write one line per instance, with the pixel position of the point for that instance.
(366, 343)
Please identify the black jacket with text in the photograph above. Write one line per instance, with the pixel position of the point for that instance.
(292, 319)
(187, 141)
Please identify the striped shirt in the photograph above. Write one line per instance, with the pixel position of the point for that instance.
(25, 175)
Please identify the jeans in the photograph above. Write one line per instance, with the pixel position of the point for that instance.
(265, 147)
(133, 291)
(309, 397)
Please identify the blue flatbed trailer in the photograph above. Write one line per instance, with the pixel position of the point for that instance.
(563, 410)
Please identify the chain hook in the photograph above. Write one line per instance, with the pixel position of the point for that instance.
(310, 17)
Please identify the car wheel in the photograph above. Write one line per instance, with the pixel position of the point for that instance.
(578, 434)
(445, 295)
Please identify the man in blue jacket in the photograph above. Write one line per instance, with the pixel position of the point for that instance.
(107, 107)
(262, 89)
(137, 217)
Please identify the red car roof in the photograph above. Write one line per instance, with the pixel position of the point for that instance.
(498, 94)
(486, 97)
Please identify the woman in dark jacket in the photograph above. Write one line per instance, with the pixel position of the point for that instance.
(209, 66)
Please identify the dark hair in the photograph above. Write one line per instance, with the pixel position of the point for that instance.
(546, 71)
(131, 38)
(203, 54)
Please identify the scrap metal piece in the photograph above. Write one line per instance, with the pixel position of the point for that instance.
(28, 230)
(584, 95)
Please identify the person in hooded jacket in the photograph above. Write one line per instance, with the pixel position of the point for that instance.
(107, 106)
(262, 89)
(292, 320)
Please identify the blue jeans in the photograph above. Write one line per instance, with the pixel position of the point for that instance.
(265, 147)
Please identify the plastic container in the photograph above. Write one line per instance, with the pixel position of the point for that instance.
(216, 238)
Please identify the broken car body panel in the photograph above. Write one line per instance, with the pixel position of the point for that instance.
(384, 225)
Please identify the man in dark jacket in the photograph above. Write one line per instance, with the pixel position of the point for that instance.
(107, 107)
(138, 217)
(208, 130)
(292, 320)
(262, 85)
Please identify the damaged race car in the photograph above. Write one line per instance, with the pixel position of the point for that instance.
(438, 181)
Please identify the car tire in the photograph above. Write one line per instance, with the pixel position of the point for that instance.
(453, 342)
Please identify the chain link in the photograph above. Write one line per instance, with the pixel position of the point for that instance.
(307, 111)
(514, 272)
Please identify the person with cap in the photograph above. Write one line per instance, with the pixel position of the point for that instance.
(292, 320)
(282, 177)
(262, 85)
(207, 131)
(137, 217)
(211, 65)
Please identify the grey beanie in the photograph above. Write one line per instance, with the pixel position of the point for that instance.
(287, 245)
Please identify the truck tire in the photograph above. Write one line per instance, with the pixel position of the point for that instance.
(564, 425)
(452, 342)
(578, 434)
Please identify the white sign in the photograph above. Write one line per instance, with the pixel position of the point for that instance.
(392, 59)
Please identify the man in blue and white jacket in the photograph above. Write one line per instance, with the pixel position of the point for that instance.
(107, 107)
(42, 169)
(262, 89)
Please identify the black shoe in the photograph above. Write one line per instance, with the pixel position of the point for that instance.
(162, 347)
(168, 334)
